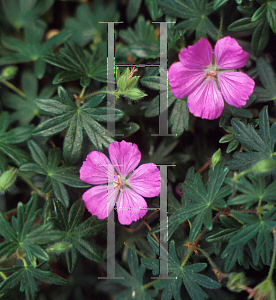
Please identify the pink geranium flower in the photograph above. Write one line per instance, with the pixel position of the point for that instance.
(207, 80)
(117, 180)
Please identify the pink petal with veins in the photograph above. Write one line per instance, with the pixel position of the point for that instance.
(130, 207)
(229, 54)
(96, 169)
(184, 81)
(236, 87)
(100, 200)
(198, 56)
(145, 180)
(206, 101)
(124, 156)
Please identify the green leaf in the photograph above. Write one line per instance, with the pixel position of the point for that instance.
(196, 13)
(142, 41)
(218, 3)
(68, 114)
(30, 279)
(257, 147)
(26, 108)
(16, 135)
(74, 232)
(79, 64)
(154, 10)
(260, 37)
(132, 9)
(24, 235)
(271, 15)
(243, 25)
(32, 49)
(188, 274)
(179, 118)
(20, 15)
(268, 80)
(246, 10)
(259, 13)
(133, 281)
(200, 200)
(87, 26)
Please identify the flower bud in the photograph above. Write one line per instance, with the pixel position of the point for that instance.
(265, 290)
(216, 158)
(134, 94)
(8, 72)
(7, 179)
(236, 282)
(264, 166)
(60, 247)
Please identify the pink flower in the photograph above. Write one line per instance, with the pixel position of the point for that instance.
(207, 80)
(117, 180)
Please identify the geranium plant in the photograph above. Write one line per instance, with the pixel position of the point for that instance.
(137, 149)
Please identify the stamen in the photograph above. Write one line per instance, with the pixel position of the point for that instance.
(119, 183)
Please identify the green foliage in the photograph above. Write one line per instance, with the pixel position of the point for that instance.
(32, 48)
(257, 147)
(79, 65)
(188, 274)
(143, 41)
(21, 14)
(56, 176)
(267, 78)
(200, 201)
(196, 13)
(26, 108)
(74, 232)
(13, 136)
(221, 205)
(24, 235)
(86, 26)
(179, 117)
(133, 281)
(86, 117)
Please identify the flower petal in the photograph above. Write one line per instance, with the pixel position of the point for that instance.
(184, 81)
(95, 169)
(124, 156)
(229, 54)
(99, 200)
(130, 207)
(236, 87)
(198, 56)
(206, 101)
(145, 180)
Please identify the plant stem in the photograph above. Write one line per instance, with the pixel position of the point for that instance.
(134, 249)
(221, 22)
(12, 87)
(208, 257)
(82, 92)
(3, 275)
(151, 283)
(186, 257)
(30, 183)
(269, 276)
(96, 93)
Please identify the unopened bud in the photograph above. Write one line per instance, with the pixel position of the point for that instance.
(7, 179)
(265, 290)
(216, 158)
(264, 166)
(134, 94)
(9, 72)
(236, 282)
(60, 247)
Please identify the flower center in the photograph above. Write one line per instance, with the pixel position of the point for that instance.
(211, 73)
(118, 183)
